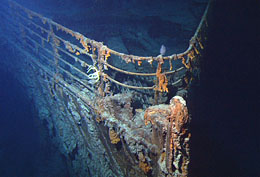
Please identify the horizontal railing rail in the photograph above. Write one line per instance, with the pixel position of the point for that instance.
(93, 58)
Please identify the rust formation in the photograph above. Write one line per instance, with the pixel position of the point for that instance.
(105, 125)
(173, 120)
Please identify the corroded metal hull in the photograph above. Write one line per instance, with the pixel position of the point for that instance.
(93, 117)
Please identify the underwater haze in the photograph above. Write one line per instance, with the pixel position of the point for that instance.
(225, 113)
(25, 147)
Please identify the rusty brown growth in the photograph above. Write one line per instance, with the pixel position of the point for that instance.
(113, 136)
(178, 135)
(161, 79)
(159, 149)
(172, 121)
(89, 46)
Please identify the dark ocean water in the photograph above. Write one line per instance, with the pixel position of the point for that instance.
(25, 150)
(19, 138)
(226, 121)
(225, 108)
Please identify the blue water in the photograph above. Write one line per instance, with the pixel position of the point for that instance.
(25, 150)
(225, 123)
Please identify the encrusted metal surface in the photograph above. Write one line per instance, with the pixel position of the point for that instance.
(104, 126)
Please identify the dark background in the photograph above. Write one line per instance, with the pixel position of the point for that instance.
(225, 106)
(225, 121)
(25, 148)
